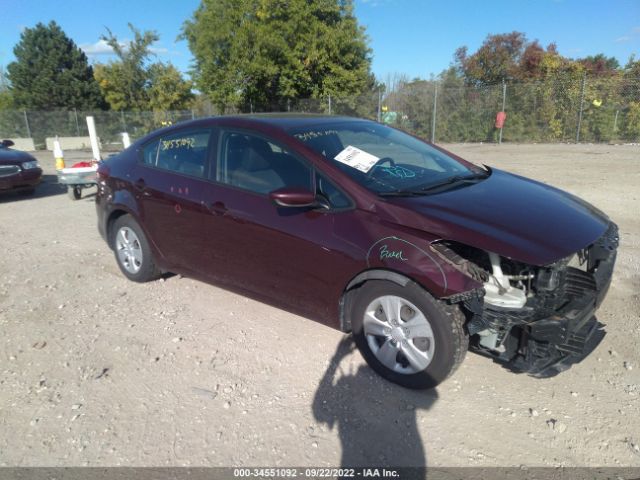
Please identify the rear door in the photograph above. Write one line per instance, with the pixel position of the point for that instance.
(169, 182)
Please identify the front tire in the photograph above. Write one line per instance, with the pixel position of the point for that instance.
(406, 335)
(132, 251)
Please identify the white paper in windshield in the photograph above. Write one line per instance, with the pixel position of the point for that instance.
(356, 158)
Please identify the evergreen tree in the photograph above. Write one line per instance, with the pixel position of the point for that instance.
(50, 72)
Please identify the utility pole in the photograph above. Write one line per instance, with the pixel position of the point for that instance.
(379, 105)
(26, 122)
(433, 117)
(504, 102)
(75, 113)
(584, 80)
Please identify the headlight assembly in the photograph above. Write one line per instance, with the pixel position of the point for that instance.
(29, 165)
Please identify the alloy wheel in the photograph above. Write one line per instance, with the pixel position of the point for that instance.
(129, 250)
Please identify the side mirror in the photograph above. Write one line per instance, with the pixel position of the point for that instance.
(7, 143)
(293, 197)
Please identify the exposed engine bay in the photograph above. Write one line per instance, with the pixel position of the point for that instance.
(535, 319)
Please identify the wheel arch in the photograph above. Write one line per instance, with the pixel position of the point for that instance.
(114, 215)
(360, 279)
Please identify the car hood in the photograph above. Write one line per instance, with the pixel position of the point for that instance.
(14, 157)
(513, 216)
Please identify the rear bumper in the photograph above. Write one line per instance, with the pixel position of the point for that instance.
(102, 213)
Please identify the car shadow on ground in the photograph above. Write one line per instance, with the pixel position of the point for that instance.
(376, 420)
(48, 187)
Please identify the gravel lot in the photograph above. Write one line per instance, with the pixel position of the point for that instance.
(96, 370)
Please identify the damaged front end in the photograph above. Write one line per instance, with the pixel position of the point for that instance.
(536, 320)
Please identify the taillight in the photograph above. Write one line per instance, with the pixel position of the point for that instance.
(103, 172)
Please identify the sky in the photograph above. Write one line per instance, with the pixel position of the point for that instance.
(414, 37)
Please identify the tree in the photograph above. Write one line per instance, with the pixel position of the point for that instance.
(261, 53)
(167, 89)
(6, 98)
(600, 64)
(50, 71)
(497, 59)
(132, 83)
(124, 81)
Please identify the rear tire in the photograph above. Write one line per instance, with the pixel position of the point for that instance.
(418, 344)
(132, 250)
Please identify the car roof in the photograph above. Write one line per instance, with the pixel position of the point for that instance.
(281, 121)
(290, 120)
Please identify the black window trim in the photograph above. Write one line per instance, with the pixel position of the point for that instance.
(349, 207)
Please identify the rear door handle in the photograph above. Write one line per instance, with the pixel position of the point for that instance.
(141, 186)
(217, 208)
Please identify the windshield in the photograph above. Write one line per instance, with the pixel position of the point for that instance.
(382, 159)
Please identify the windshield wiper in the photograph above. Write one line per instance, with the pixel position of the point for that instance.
(453, 180)
(400, 193)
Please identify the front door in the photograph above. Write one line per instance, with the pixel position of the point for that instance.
(277, 252)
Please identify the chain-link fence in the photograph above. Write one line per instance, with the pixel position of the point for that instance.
(602, 109)
(564, 109)
(72, 123)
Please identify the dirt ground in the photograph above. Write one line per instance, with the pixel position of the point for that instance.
(96, 370)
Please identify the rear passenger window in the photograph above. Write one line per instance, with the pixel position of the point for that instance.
(184, 152)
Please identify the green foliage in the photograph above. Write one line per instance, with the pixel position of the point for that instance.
(131, 83)
(261, 53)
(50, 71)
(6, 100)
(124, 81)
(167, 89)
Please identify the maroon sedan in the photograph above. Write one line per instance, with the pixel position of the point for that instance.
(18, 170)
(417, 252)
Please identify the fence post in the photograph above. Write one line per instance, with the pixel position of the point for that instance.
(379, 105)
(433, 117)
(329, 104)
(124, 124)
(75, 113)
(193, 115)
(504, 103)
(26, 122)
(615, 121)
(584, 80)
